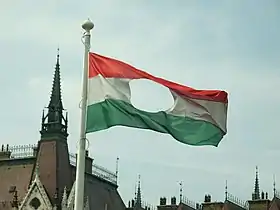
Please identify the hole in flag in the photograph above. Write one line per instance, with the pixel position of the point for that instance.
(149, 96)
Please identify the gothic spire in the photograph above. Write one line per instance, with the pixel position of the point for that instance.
(257, 187)
(56, 101)
(54, 121)
(138, 202)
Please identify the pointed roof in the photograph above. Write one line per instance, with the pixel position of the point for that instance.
(36, 191)
(56, 99)
(54, 122)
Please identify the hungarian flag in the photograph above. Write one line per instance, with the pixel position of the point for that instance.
(198, 117)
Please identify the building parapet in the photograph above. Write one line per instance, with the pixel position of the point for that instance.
(97, 170)
(29, 151)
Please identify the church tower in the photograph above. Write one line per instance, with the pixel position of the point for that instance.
(52, 156)
(259, 200)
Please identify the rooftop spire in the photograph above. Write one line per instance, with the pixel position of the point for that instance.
(138, 202)
(56, 101)
(181, 191)
(117, 167)
(257, 187)
(226, 191)
(274, 186)
(54, 121)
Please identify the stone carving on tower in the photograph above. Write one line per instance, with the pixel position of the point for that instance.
(36, 197)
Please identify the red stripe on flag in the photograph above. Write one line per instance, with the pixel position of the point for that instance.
(112, 68)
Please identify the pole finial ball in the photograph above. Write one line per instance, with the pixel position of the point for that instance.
(88, 25)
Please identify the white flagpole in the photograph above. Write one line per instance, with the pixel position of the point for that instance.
(80, 170)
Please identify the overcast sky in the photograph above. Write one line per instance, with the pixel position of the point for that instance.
(230, 45)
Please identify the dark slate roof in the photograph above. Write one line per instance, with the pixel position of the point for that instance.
(228, 205)
(101, 193)
(181, 206)
(168, 207)
(275, 204)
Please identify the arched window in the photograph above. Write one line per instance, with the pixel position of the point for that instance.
(35, 203)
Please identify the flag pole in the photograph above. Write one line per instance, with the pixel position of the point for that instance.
(80, 170)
